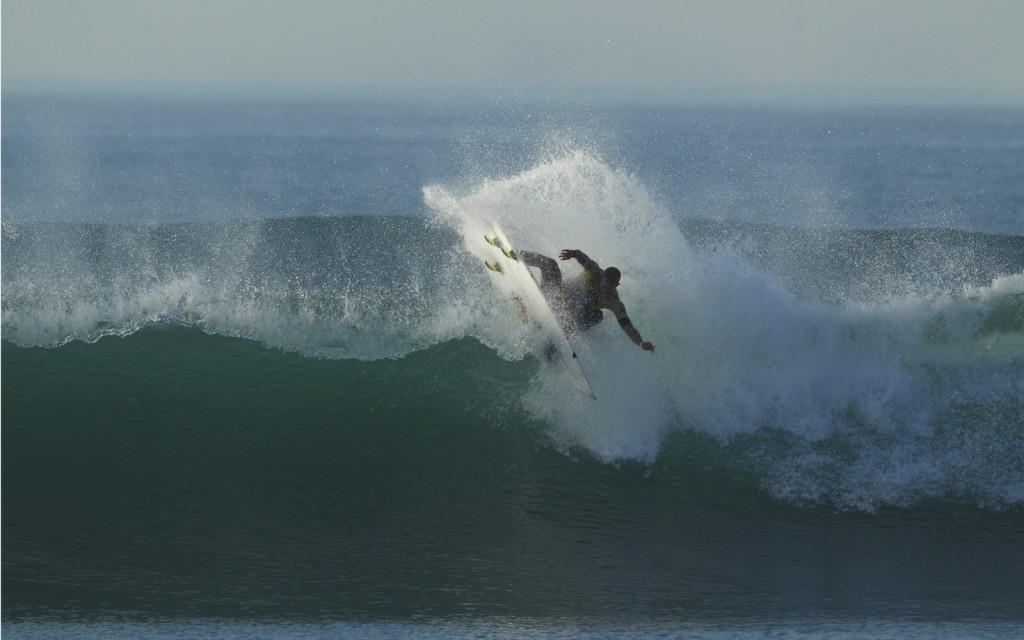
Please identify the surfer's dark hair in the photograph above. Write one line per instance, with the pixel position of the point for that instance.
(613, 275)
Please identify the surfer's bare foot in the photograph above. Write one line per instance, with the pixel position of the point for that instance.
(647, 346)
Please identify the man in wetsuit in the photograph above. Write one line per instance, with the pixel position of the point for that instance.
(581, 300)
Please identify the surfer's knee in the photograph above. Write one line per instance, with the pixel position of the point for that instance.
(538, 260)
(531, 258)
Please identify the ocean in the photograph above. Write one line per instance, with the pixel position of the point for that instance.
(254, 385)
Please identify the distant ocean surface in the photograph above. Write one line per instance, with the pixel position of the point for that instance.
(253, 385)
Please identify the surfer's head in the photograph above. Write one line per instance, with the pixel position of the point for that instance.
(612, 276)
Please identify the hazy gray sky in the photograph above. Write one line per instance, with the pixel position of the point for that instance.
(856, 51)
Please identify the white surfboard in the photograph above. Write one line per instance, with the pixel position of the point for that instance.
(514, 279)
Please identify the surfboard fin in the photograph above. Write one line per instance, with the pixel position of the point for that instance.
(493, 266)
(494, 242)
(551, 352)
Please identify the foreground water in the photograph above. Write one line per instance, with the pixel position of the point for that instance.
(513, 629)
(250, 426)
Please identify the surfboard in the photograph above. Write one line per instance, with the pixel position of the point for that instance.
(512, 277)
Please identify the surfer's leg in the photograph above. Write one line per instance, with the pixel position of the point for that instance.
(550, 274)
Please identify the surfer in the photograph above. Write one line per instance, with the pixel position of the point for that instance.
(582, 299)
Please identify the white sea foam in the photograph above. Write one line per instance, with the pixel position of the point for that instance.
(737, 354)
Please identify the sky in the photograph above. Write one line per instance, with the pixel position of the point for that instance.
(796, 51)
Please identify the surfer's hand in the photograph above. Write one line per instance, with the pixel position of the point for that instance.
(647, 346)
(567, 254)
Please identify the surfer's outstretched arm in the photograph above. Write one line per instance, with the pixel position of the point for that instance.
(634, 335)
(581, 257)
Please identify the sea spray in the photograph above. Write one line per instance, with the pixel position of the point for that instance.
(860, 389)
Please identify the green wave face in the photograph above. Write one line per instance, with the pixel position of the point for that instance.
(177, 473)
